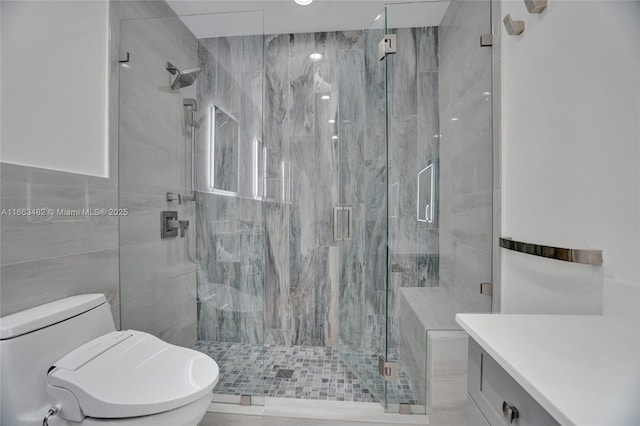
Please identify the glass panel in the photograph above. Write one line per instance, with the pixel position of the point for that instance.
(231, 189)
(157, 280)
(362, 181)
(440, 187)
(194, 129)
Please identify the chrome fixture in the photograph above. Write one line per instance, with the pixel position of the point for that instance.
(387, 46)
(303, 2)
(342, 223)
(174, 197)
(184, 78)
(587, 257)
(190, 108)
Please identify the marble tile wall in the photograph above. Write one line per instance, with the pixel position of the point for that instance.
(293, 223)
(466, 154)
(157, 281)
(318, 291)
(231, 292)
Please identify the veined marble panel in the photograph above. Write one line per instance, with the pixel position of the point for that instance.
(302, 235)
(301, 309)
(352, 283)
(428, 130)
(326, 172)
(427, 50)
(277, 129)
(250, 134)
(276, 278)
(402, 74)
(375, 97)
(301, 75)
(322, 297)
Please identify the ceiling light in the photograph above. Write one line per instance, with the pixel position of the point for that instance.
(325, 97)
(334, 137)
(332, 121)
(304, 2)
(315, 57)
(455, 119)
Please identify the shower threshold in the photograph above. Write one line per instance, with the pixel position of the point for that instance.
(319, 373)
(277, 411)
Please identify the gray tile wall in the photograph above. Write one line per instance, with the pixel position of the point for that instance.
(48, 258)
(157, 281)
(466, 163)
(44, 259)
(316, 291)
(230, 283)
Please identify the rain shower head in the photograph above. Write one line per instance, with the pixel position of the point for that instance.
(184, 78)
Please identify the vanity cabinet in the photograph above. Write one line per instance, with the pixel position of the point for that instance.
(495, 398)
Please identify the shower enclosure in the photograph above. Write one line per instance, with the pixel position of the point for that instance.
(333, 172)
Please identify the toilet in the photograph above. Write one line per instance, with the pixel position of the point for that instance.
(64, 360)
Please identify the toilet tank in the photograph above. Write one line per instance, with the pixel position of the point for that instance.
(32, 340)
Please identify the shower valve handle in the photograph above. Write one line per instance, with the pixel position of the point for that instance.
(173, 197)
(184, 226)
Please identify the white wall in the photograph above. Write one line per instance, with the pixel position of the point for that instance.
(571, 151)
(54, 85)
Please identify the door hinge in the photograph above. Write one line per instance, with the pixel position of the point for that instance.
(387, 46)
(388, 369)
(486, 289)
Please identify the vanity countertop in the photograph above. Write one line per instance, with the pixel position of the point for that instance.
(582, 369)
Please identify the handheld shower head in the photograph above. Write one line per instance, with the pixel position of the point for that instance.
(184, 78)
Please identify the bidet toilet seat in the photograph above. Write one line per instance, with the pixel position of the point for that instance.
(129, 374)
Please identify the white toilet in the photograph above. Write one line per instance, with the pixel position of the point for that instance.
(67, 356)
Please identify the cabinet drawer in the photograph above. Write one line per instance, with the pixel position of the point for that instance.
(491, 387)
(474, 415)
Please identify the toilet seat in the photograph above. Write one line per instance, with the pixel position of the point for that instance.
(129, 374)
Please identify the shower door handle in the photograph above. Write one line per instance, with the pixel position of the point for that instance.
(338, 231)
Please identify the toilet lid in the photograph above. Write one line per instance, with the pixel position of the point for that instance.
(131, 373)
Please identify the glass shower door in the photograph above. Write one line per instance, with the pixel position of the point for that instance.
(360, 221)
(440, 192)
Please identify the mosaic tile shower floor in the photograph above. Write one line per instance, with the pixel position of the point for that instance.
(319, 373)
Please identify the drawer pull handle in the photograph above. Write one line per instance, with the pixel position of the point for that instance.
(509, 412)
